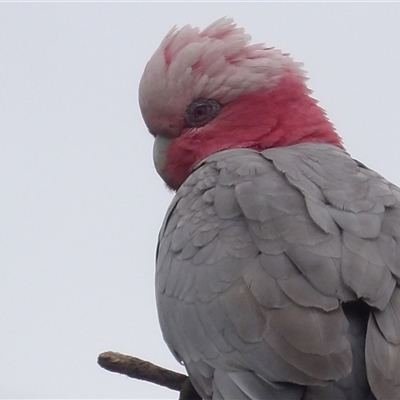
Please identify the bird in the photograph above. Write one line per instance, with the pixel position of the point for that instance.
(278, 261)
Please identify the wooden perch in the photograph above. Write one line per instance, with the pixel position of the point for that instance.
(145, 370)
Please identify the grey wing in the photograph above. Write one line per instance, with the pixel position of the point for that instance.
(254, 260)
(366, 208)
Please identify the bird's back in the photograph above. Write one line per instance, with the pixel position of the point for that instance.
(278, 276)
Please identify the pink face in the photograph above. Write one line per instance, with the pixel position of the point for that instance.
(196, 100)
(260, 120)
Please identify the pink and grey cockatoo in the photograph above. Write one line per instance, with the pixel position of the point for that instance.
(278, 263)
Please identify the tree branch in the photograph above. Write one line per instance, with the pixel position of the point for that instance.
(145, 370)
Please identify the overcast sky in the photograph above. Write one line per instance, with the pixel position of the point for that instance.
(81, 203)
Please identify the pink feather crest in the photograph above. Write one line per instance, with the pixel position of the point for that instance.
(217, 63)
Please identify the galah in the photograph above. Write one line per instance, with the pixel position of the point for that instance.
(278, 262)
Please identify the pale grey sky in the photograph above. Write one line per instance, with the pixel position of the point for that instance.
(81, 204)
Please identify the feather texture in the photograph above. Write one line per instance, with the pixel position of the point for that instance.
(261, 260)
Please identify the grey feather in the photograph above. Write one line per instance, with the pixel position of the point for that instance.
(388, 320)
(261, 260)
(383, 363)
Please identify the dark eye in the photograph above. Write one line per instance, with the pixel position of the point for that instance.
(201, 111)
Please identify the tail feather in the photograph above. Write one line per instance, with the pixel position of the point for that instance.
(383, 351)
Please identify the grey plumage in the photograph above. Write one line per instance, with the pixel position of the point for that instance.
(262, 260)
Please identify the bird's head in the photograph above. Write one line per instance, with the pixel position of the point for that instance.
(207, 91)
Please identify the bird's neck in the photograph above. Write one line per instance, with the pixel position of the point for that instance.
(280, 117)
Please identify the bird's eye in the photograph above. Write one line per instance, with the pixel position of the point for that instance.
(201, 111)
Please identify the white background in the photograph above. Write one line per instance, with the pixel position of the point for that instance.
(80, 202)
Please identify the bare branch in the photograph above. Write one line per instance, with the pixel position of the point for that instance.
(145, 370)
